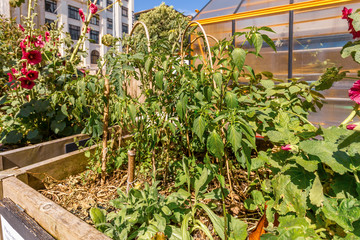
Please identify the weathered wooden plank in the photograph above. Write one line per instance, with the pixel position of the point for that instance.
(23, 224)
(57, 221)
(35, 153)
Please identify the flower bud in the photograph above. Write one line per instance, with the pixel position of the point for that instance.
(353, 126)
(290, 148)
(108, 40)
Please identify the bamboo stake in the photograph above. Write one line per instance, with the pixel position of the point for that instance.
(131, 169)
(105, 131)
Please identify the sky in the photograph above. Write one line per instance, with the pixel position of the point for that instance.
(184, 6)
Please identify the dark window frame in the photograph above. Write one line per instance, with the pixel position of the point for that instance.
(124, 10)
(109, 2)
(48, 23)
(109, 23)
(125, 26)
(74, 32)
(95, 20)
(73, 12)
(51, 6)
(94, 35)
(94, 56)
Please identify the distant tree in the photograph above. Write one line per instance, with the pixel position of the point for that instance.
(165, 25)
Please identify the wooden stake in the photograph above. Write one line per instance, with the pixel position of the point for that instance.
(131, 169)
(106, 131)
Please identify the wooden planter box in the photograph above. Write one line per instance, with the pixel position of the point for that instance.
(20, 184)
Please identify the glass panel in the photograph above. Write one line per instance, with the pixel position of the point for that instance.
(275, 62)
(249, 5)
(319, 35)
(218, 8)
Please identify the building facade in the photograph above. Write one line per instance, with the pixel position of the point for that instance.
(116, 20)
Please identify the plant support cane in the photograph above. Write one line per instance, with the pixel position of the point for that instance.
(131, 169)
(106, 131)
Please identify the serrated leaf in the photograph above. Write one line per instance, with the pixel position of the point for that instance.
(238, 57)
(316, 193)
(199, 127)
(215, 145)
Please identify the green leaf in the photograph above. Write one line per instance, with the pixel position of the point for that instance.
(166, 210)
(32, 134)
(57, 127)
(203, 228)
(199, 127)
(179, 110)
(218, 79)
(267, 83)
(132, 112)
(231, 100)
(13, 137)
(294, 89)
(64, 110)
(326, 152)
(216, 194)
(215, 145)
(97, 216)
(269, 41)
(234, 137)
(238, 229)
(257, 41)
(148, 65)
(3, 99)
(316, 193)
(159, 79)
(238, 56)
(216, 221)
(351, 49)
(185, 234)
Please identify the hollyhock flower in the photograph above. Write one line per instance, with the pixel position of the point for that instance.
(354, 92)
(286, 147)
(88, 30)
(23, 70)
(47, 36)
(32, 75)
(93, 8)
(351, 126)
(82, 15)
(39, 42)
(26, 83)
(346, 12)
(22, 28)
(33, 57)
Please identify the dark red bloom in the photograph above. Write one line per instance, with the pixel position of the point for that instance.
(26, 83)
(93, 8)
(23, 70)
(47, 36)
(32, 75)
(33, 57)
(345, 15)
(22, 28)
(354, 92)
(82, 15)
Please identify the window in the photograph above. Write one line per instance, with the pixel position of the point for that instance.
(95, 20)
(124, 11)
(109, 2)
(94, 57)
(109, 23)
(73, 12)
(74, 32)
(94, 35)
(48, 23)
(50, 6)
(98, 2)
(125, 28)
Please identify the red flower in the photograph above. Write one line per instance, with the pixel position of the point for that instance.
(23, 70)
(286, 147)
(351, 126)
(32, 75)
(22, 28)
(88, 30)
(33, 57)
(39, 42)
(354, 92)
(346, 12)
(47, 36)
(26, 83)
(93, 8)
(82, 15)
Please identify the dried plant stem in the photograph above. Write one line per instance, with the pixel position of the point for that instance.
(106, 131)
(153, 162)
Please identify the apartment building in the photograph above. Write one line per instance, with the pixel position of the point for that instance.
(116, 20)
